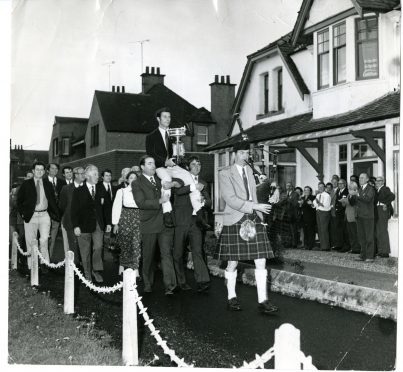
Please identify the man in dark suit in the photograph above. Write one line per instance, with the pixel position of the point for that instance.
(364, 199)
(89, 223)
(36, 204)
(65, 199)
(384, 210)
(67, 172)
(108, 193)
(57, 184)
(289, 201)
(147, 195)
(159, 146)
(186, 229)
(338, 213)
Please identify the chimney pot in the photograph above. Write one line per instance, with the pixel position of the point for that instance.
(222, 80)
(147, 70)
(216, 78)
(113, 88)
(152, 71)
(228, 80)
(123, 89)
(118, 89)
(158, 70)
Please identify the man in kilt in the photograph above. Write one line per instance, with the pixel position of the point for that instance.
(238, 189)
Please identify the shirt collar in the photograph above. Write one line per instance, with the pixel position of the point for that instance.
(52, 179)
(106, 184)
(77, 184)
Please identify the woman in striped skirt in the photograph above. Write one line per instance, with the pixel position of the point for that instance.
(238, 189)
(125, 220)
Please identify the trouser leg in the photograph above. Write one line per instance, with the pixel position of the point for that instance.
(53, 235)
(165, 242)
(84, 244)
(44, 227)
(31, 238)
(97, 249)
(196, 244)
(148, 252)
(181, 233)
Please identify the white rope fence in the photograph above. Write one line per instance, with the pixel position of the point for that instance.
(286, 349)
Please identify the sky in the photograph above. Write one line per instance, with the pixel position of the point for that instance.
(62, 51)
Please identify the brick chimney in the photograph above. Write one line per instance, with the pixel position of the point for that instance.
(150, 78)
(222, 98)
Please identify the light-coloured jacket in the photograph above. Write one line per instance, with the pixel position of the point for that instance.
(234, 194)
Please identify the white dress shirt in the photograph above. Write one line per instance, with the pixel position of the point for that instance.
(325, 199)
(53, 180)
(110, 188)
(240, 171)
(124, 198)
(90, 188)
(163, 131)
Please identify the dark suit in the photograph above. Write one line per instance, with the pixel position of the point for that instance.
(65, 199)
(289, 201)
(383, 211)
(338, 223)
(89, 216)
(26, 200)
(308, 219)
(365, 220)
(153, 230)
(55, 223)
(155, 147)
(187, 228)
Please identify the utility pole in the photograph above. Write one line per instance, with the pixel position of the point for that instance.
(109, 64)
(141, 42)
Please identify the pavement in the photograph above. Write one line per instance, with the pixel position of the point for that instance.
(332, 278)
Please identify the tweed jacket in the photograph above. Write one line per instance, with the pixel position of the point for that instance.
(234, 194)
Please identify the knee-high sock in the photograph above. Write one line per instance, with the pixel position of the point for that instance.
(261, 284)
(231, 282)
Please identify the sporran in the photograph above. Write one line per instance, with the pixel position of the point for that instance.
(248, 230)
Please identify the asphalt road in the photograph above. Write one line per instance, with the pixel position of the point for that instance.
(334, 337)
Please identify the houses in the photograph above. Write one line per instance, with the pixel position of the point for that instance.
(114, 134)
(325, 98)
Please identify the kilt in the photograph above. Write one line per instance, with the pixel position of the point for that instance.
(232, 247)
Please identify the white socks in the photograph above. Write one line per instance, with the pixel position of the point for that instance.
(261, 284)
(231, 282)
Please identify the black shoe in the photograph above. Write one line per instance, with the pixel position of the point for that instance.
(185, 287)
(201, 221)
(203, 286)
(266, 307)
(233, 304)
(168, 221)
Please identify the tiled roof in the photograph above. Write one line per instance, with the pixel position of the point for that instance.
(387, 106)
(202, 115)
(378, 5)
(127, 112)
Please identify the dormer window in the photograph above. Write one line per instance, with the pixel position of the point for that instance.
(367, 56)
(323, 59)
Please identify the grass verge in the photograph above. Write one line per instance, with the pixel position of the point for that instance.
(40, 333)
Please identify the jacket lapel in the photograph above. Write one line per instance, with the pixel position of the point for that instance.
(236, 176)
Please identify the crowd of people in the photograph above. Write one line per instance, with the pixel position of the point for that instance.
(351, 218)
(158, 206)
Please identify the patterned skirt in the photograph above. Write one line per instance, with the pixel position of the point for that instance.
(232, 247)
(128, 238)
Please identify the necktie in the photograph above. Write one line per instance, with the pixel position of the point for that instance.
(153, 181)
(196, 179)
(245, 182)
(166, 139)
(38, 192)
(109, 191)
(93, 192)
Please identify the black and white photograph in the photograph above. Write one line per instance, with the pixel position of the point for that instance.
(202, 183)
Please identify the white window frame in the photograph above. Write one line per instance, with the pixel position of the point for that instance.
(202, 138)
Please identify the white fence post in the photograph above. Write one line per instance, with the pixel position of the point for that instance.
(69, 283)
(129, 328)
(14, 250)
(34, 267)
(287, 353)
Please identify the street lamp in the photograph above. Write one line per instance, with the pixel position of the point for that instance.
(109, 64)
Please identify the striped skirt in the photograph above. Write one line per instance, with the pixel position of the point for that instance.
(232, 247)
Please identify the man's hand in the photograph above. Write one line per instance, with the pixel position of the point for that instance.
(166, 185)
(176, 184)
(264, 208)
(169, 162)
(164, 199)
(115, 229)
(108, 228)
(199, 186)
(77, 231)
